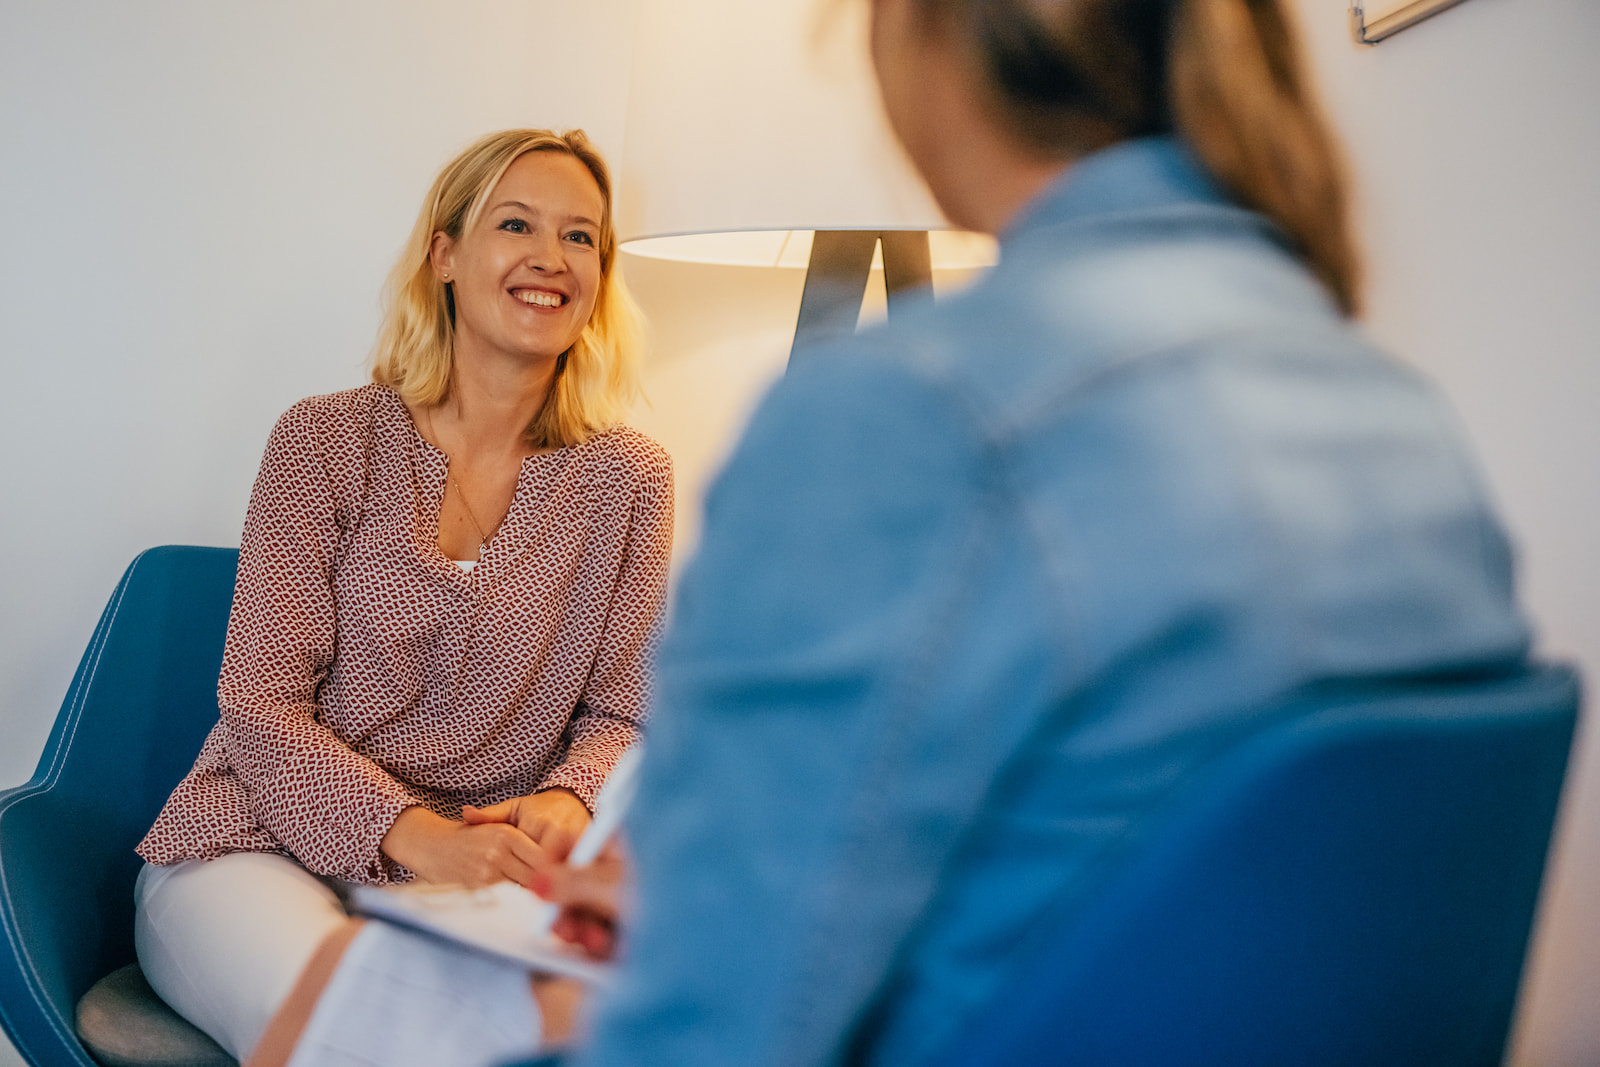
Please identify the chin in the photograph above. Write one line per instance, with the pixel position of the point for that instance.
(545, 348)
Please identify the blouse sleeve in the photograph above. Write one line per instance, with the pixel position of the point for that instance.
(326, 803)
(616, 698)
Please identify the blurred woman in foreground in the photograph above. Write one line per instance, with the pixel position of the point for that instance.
(979, 589)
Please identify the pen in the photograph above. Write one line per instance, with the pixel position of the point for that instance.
(609, 807)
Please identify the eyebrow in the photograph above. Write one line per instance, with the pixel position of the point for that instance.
(584, 219)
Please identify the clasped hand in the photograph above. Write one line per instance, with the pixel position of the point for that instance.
(508, 841)
(553, 820)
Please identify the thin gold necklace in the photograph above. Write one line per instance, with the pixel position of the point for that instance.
(483, 538)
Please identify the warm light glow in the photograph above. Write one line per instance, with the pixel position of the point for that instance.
(759, 115)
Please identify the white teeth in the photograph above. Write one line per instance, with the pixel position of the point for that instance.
(538, 299)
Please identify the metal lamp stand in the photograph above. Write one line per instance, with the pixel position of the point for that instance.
(841, 264)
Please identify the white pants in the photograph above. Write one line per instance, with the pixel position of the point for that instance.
(223, 941)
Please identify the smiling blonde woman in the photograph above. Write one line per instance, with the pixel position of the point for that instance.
(449, 583)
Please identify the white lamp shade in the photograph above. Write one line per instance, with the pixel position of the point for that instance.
(760, 115)
(949, 250)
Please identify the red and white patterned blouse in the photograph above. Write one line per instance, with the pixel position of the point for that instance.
(364, 672)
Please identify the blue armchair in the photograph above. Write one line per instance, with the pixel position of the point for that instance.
(143, 699)
(1355, 887)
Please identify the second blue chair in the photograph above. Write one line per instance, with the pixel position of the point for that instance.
(140, 705)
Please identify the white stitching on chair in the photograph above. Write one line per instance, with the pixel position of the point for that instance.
(88, 682)
(78, 697)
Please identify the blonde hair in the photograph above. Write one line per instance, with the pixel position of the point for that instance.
(1072, 76)
(597, 379)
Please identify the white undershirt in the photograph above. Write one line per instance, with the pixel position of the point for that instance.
(465, 564)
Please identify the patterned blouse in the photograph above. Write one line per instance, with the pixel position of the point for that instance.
(365, 673)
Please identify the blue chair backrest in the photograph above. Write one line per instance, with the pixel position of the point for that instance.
(1353, 887)
(143, 699)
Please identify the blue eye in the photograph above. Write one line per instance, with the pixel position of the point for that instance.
(580, 235)
(514, 226)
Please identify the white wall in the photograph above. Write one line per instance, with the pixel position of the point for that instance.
(204, 199)
(1476, 140)
(718, 338)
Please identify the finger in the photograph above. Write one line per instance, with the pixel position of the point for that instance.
(552, 808)
(522, 859)
(505, 811)
(545, 873)
(557, 841)
(595, 887)
(593, 934)
(493, 853)
(599, 940)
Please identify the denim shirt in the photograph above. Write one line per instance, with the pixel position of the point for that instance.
(978, 589)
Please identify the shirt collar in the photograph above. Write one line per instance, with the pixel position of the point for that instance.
(1131, 176)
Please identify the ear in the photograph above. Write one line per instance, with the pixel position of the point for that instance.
(442, 254)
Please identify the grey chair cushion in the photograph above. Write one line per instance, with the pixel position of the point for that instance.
(123, 1023)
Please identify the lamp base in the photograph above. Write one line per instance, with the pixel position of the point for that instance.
(836, 278)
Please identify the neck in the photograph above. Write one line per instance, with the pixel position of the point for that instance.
(981, 175)
(936, 93)
(491, 404)
(985, 181)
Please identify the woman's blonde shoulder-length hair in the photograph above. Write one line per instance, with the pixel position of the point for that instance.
(597, 379)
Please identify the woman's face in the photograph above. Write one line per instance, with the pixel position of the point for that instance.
(526, 275)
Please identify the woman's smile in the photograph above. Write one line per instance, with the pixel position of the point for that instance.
(544, 299)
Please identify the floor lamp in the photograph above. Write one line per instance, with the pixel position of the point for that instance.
(754, 133)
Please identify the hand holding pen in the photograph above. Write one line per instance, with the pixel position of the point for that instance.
(588, 887)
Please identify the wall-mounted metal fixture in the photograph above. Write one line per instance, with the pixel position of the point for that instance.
(1373, 20)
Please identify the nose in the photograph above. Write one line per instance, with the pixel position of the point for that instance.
(545, 253)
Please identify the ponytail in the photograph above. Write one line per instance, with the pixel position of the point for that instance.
(1238, 99)
(1072, 76)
